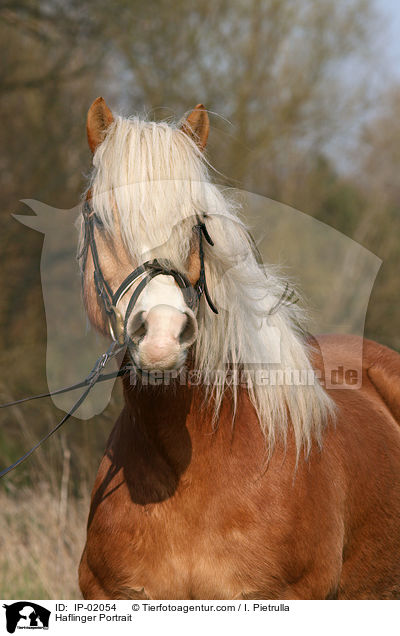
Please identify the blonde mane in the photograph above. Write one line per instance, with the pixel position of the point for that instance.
(151, 180)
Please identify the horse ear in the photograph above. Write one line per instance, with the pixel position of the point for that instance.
(99, 119)
(197, 126)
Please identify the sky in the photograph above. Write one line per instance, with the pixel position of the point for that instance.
(391, 9)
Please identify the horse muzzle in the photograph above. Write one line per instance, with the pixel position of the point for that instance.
(160, 338)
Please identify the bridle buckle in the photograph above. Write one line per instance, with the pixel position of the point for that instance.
(116, 325)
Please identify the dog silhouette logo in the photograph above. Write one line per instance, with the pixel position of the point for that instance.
(26, 615)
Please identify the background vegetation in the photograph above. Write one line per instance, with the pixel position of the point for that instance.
(304, 110)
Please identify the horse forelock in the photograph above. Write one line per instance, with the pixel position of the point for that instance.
(148, 184)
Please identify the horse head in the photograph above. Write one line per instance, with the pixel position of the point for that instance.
(160, 323)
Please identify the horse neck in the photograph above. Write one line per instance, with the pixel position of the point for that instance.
(153, 408)
(158, 419)
(154, 439)
(165, 431)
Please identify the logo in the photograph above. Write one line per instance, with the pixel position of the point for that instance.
(26, 615)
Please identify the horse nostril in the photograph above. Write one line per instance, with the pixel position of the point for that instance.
(138, 327)
(189, 330)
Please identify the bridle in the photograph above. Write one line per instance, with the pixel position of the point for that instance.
(118, 326)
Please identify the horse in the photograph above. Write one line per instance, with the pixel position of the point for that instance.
(211, 488)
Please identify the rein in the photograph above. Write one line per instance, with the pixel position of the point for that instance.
(118, 326)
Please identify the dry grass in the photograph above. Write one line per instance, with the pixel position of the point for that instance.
(42, 537)
(44, 503)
